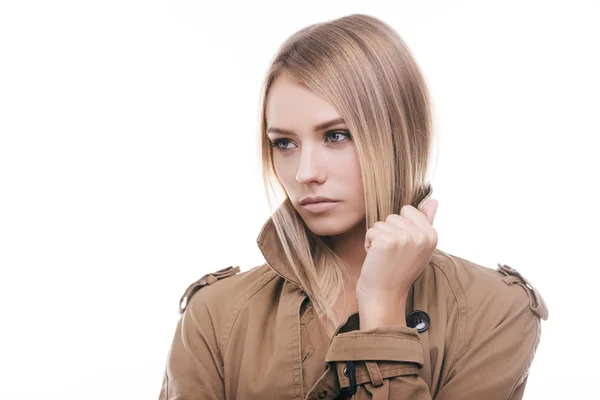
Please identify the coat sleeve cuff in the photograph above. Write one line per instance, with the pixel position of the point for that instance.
(387, 343)
(374, 355)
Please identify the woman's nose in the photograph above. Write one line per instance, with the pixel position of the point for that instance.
(311, 167)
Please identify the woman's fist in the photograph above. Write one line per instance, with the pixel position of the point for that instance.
(397, 252)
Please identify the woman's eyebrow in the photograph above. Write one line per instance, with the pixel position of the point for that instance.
(319, 127)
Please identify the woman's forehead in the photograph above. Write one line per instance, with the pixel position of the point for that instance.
(291, 106)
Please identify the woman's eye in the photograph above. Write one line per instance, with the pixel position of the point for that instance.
(276, 143)
(334, 134)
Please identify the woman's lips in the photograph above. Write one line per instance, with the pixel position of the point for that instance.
(321, 206)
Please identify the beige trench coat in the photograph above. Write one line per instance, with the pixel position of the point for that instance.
(255, 335)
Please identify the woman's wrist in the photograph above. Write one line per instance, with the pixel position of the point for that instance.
(381, 312)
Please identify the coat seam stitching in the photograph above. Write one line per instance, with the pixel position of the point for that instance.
(462, 314)
(372, 335)
(530, 361)
(394, 372)
(250, 292)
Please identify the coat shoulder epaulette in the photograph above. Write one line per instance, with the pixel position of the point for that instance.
(536, 302)
(207, 279)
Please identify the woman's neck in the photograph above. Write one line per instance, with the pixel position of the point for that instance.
(350, 247)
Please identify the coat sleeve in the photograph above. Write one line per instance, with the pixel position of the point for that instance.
(194, 368)
(493, 364)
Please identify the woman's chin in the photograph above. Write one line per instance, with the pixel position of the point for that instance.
(329, 226)
(325, 230)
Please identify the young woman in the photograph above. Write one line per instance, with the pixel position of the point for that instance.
(354, 300)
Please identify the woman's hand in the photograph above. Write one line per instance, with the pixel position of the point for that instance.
(397, 252)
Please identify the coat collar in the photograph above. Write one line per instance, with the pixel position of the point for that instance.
(272, 250)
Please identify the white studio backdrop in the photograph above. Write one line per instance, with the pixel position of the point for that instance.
(129, 169)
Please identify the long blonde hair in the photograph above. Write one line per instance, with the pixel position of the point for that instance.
(363, 68)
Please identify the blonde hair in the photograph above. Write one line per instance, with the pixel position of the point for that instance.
(363, 68)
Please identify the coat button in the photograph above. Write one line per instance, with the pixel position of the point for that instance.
(323, 394)
(418, 319)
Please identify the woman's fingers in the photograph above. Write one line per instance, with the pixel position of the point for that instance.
(422, 219)
(411, 223)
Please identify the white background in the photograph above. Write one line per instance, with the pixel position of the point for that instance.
(128, 169)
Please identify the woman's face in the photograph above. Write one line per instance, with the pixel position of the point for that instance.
(314, 161)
